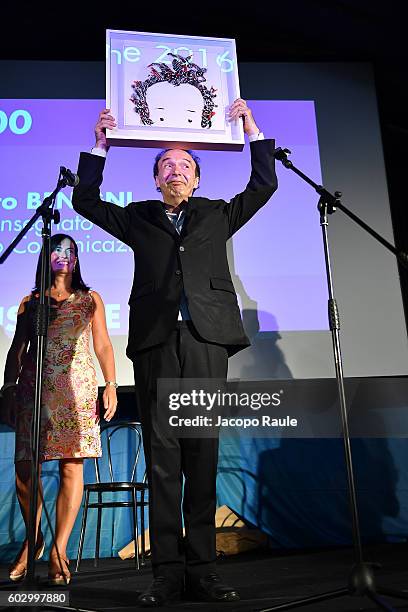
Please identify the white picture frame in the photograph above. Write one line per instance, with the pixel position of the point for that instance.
(168, 90)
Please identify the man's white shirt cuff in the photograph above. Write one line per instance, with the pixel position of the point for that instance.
(258, 136)
(98, 151)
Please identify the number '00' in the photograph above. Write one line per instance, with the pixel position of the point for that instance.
(19, 122)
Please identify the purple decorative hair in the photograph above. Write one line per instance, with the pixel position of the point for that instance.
(181, 72)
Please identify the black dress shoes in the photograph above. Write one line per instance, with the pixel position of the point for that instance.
(212, 588)
(161, 591)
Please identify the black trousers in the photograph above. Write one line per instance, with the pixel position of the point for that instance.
(168, 459)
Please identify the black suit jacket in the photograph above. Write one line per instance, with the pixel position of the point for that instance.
(166, 262)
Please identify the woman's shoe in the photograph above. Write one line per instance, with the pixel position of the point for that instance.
(18, 569)
(57, 577)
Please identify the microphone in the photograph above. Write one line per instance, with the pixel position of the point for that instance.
(282, 156)
(71, 179)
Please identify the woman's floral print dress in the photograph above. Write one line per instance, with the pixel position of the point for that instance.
(69, 414)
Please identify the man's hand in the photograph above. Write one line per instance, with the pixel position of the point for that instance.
(105, 121)
(239, 109)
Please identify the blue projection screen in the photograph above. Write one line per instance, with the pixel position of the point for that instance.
(264, 255)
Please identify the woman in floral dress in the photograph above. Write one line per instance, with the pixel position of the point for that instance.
(69, 411)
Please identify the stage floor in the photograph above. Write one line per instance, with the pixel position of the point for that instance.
(264, 579)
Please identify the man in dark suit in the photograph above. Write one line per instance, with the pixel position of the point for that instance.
(184, 323)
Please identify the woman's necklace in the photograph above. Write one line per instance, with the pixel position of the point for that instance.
(62, 292)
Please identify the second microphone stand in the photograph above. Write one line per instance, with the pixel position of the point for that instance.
(361, 578)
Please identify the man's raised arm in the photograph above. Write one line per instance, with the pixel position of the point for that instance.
(86, 198)
(263, 182)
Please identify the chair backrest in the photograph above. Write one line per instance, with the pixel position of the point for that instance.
(134, 429)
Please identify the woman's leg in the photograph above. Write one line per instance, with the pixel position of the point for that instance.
(68, 504)
(23, 485)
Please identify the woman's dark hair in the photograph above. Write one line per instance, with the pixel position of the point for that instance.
(77, 282)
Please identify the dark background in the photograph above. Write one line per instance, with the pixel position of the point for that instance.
(296, 30)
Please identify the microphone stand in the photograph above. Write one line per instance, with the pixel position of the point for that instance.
(361, 578)
(49, 215)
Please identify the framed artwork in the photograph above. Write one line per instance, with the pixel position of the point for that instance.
(168, 90)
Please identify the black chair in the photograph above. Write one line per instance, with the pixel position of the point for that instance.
(137, 490)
